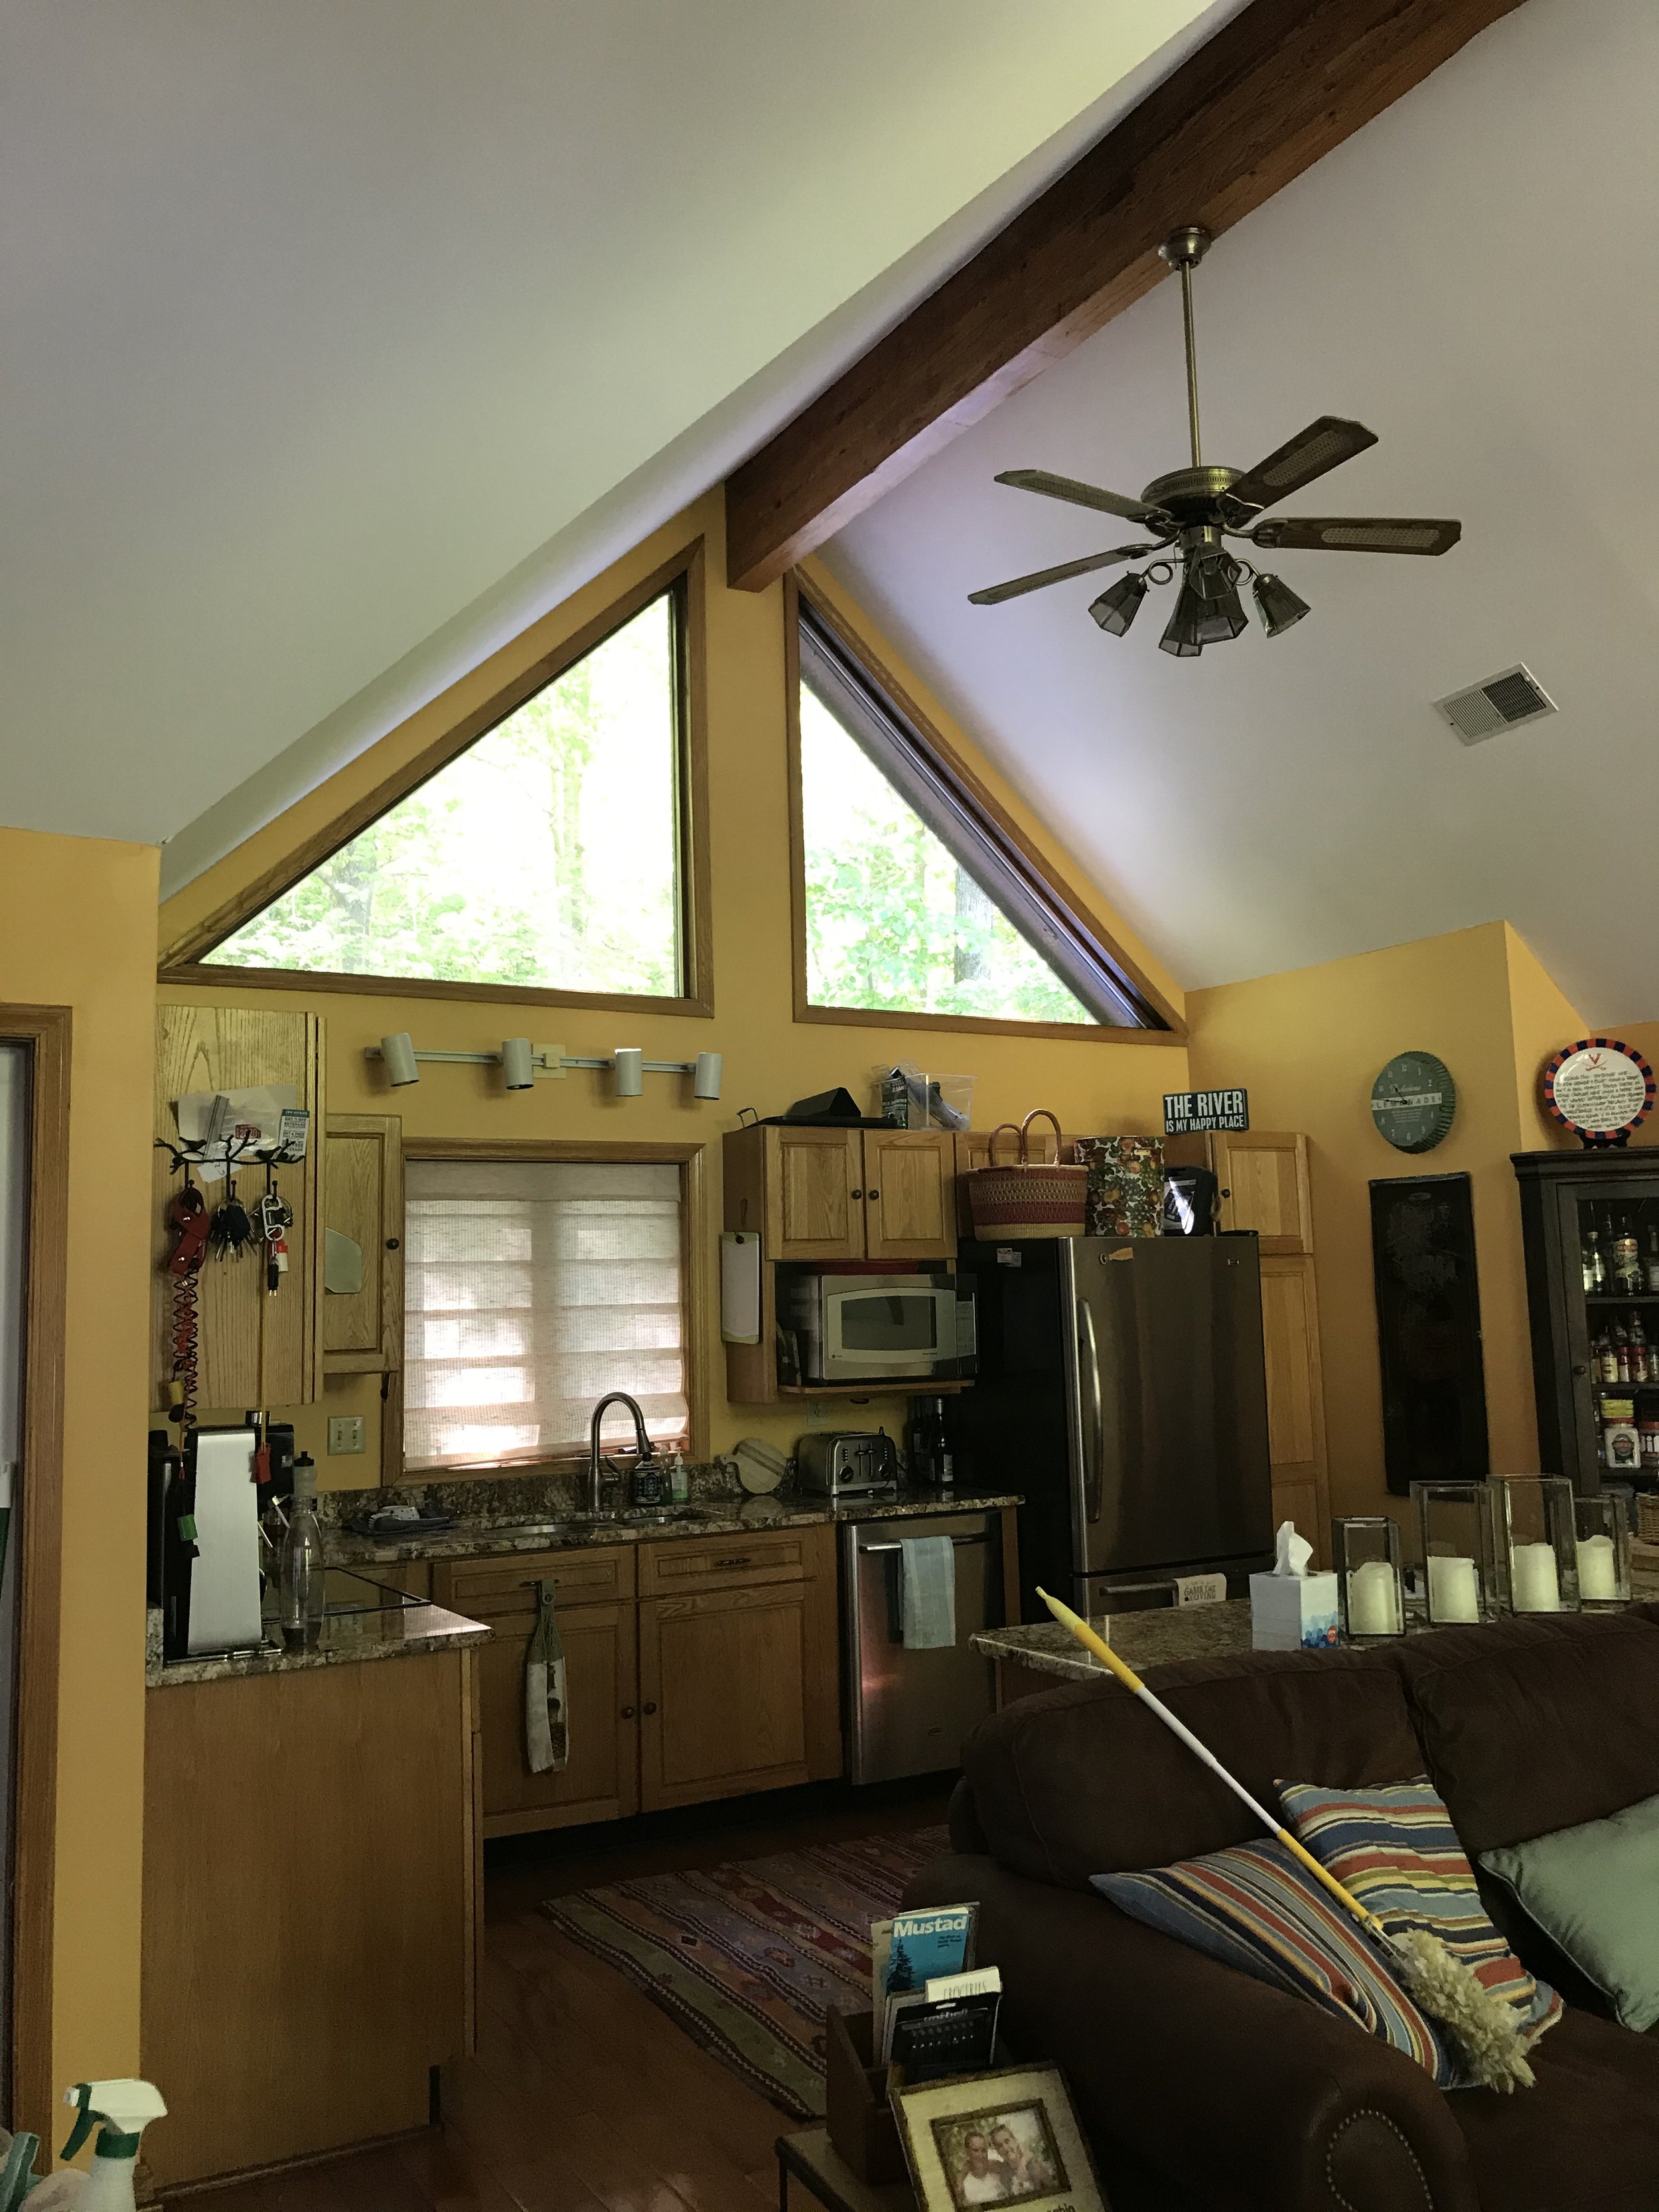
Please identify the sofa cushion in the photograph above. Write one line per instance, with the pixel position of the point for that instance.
(1395, 1849)
(1528, 1726)
(1254, 1909)
(1084, 1780)
(1594, 1890)
(1586, 2135)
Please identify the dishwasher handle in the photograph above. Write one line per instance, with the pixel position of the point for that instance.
(864, 1550)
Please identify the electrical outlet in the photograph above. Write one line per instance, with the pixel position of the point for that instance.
(345, 1432)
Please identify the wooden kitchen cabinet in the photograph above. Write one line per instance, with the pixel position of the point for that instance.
(723, 1678)
(843, 1193)
(362, 1201)
(1264, 1186)
(594, 1593)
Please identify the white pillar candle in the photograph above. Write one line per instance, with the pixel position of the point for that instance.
(1534, 1585)
(1598, 1570)
(1453, 1594)
(1373, 1600)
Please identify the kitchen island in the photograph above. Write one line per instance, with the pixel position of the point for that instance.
(312, 1883)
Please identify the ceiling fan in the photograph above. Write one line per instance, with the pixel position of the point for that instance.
(1190, 513)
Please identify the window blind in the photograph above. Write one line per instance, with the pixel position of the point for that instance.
(531, 1288)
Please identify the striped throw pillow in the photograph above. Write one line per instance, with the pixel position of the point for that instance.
(1254, 1908)
(1396, 1848)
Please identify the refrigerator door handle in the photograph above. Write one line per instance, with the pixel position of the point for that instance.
(1094, 1438)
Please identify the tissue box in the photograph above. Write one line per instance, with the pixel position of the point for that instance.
(1292, 1612)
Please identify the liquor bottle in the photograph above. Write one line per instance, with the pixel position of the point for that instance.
(1595, 1273)
(1639, 1350)
(1620, 1354)
(1626, 1261)
(1653, 1257)
(1607, 1362)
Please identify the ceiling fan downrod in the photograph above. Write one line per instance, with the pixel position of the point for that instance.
(1183, 250)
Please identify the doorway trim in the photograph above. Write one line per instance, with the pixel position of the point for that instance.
(46, 1033)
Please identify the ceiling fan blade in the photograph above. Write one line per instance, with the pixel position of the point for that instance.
(995, 594)
(1350, 533)
(1079, 495)
(1326, 443)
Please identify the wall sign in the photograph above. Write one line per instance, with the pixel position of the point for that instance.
(1190, 1113)
(1600, 1088)
(1413, 1101)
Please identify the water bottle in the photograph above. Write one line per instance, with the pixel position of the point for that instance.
(303, 1572)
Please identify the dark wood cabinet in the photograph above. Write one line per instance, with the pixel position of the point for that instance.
(1564, 1196)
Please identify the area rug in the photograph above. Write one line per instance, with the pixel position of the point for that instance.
(746, 1957)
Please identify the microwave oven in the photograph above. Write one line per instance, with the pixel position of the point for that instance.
(880, 1329)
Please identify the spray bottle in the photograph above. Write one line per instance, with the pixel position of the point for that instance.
(122, 2110)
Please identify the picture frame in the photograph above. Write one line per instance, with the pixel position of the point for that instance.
(1008, 2137)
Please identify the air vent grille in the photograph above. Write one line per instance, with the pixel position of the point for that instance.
(1513, 695)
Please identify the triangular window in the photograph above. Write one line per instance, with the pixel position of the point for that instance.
(918, 898)
(546, 855)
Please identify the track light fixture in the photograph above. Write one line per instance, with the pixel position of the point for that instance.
(521, 1062)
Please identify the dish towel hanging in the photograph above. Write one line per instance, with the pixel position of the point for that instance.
(546, 1713)
(927, 1592)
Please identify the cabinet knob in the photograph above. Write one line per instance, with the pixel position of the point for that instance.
(627, 1712)
(858, 1194)
(875, 1194)
(392, 1244)
(1581, 1368)
(648, 1709)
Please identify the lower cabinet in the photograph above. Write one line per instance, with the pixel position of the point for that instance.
(696, 1668)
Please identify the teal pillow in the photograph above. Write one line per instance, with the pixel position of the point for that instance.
(1594, 1890)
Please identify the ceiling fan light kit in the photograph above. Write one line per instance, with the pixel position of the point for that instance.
(1191, 513)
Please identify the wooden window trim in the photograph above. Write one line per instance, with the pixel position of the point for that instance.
(47, 1031)
(797, 589)
(695, 1306)
(182, 961)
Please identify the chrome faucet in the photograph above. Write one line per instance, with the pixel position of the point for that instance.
(597, 1462)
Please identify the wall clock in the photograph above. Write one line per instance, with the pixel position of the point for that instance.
(1412, 1102)
(1600, 1088)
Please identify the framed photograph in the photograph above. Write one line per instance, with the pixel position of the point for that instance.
(1007, 2137)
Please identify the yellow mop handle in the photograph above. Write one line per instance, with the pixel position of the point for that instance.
(1103, 1650)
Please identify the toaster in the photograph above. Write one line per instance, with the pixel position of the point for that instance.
(845, 1463)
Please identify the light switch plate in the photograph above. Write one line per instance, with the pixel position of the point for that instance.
(345, 1432)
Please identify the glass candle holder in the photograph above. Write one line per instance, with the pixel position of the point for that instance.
(1455, 1536)
(1601, 1540)
(1538, 1542)
(1365, 1553)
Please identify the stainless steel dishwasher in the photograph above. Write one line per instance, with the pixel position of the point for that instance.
(908, 1712)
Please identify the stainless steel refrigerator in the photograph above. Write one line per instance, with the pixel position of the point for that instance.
(1122, 1388)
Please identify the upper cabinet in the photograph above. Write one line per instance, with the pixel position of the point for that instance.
(253, 1346)
(362, 1244)
(1263, 1179)
(843, 1193)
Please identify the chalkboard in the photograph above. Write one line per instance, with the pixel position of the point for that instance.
(1428, 1331)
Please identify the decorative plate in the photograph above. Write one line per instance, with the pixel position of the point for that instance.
(1600, 1088)
(1413, 1101)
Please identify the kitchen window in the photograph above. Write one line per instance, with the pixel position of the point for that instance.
(531, 1288)
(552, 848)
(919, 901)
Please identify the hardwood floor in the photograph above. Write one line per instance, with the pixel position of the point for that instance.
(583, 2097)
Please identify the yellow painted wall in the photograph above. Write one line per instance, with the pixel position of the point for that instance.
(1308, 1045)
(1093, 1085)
(75, 918)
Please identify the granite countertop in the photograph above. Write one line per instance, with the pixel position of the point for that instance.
(1146, 1639)
(391, 1631)
(563, 1528)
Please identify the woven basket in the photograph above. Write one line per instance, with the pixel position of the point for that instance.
(1028, 1198)
(1647, 1518)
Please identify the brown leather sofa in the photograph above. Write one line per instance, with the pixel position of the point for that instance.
(1201, 2088)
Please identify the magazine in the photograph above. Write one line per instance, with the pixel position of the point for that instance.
(913, 1948)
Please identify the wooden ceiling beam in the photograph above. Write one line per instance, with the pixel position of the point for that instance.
(1276, 87)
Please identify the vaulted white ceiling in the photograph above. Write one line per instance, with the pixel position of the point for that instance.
(343, 338)
(1476, 276)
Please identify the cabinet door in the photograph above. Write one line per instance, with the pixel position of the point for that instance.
(814, 1195)
(1296, 1403)
(723, 1682)
(1263, 1175)
(908, 1210)
(601, 1779)
(362, 1210)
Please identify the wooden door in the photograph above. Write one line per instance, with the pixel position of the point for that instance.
(594, 1592)
(814, 1195)
(1296, 1403)
(252, 1349)
(908, 1199)
(363, 1212)
(1263, 1175)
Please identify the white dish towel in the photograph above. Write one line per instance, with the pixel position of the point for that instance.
(927, 1592)
(546, 1710)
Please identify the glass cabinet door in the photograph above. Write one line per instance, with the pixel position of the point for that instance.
(1610, 1257)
